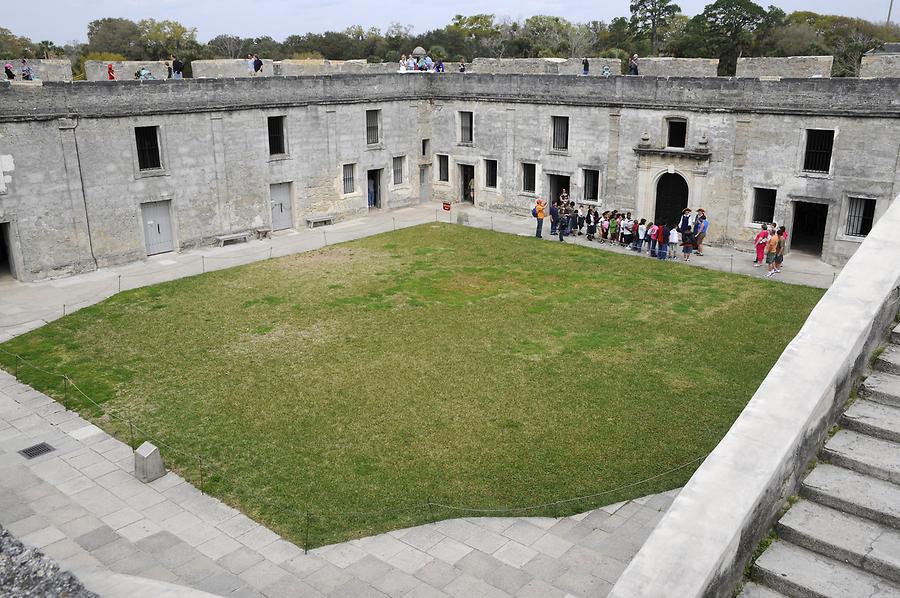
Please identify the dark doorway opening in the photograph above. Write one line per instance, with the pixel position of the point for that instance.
(558, 182)
(671, 199)
(374, 187)
(808, 231)
(6, 259)
(467, 179)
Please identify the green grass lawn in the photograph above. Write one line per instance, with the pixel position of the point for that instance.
(434, 364)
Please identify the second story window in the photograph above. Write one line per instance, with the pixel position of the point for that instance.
(147, 139)
(276, 136)
(676, 136)
(467, 125)
(372, 121)
(561, 133)
(819, 144)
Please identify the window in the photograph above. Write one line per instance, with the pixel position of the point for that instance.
(398, 169)
(677, 135)
(490, 174)
(591, 184)
(860, 216)
(467, 123)
(764, 205)
(372, 118)
(276, 136)
(349, 178)
(818, 150)
(147, 147)
(426, 147)
(443, 168)
(561, 133)
(527, 177)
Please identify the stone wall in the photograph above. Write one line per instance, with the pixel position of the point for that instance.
(519, 66)
(701, 546)
(678, 67)
(788, 67)
(50, 69)
(573, 66)
(96, 70)
(222, 68)
(880, 65)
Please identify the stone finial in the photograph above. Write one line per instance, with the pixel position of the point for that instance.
(703, 144)
(148, 464)
(645, 139)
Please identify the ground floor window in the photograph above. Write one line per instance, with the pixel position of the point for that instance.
(591, 184)
(490, 174)
(860, 216)
(443, 168)
(764, 205)
(349, 178)
(398, 170)
(528, 177)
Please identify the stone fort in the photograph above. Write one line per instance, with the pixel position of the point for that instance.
(100, 173)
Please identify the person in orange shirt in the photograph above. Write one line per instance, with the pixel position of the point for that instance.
(772, 252)
(540, 209)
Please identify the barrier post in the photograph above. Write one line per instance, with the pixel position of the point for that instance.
(324, 237)
(306, 536)
(131, 427)
(200, 460)
(732, 263)
(120, 283)
(431, 512)
(17, 367)
(66, 392)
(203, 264)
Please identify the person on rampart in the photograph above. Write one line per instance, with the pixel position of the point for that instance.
(177, 67)
(585, 67)
(633, 65)
(8, 69)
(439, 66)
(110, 72)
(462, 65)
(27, 71)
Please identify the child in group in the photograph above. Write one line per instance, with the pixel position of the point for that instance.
(614, 229)
(581, 218)
(591, 223)
(673, 244)
(604, 227)
(641, 233)
(651, 233)
(762, 238)
(687, 244)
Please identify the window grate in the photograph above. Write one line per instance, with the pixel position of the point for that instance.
(860, 216)
(372, 135)
(764, 205)
(490, 174)
(528, 178)
(819, 145)
(37, 450)
(276, 135)
(443, 168)
(560, 133)
(147, 139)
(591, 184)
(349, 178)
(467, 125)
(398, 170)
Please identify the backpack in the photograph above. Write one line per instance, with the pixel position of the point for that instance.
(534, 212)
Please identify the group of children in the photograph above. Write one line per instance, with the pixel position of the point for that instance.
(770, 242)
(659, 240)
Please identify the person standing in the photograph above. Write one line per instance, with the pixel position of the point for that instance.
(641, 233)
(27, 71)
(257, 65)
(702, 225)
(673, 243)
(539, 208)
(762, 237)
(564, 214)
(771, 252)
(8, 69)
(585, 67)
(110, 72)
(462, 69)
(633, 65)
(250, 62)
(177, 67)
(687, 244)
(662, 241)
(439, 66)
(592, 219)
(168, 70)
(554, 217)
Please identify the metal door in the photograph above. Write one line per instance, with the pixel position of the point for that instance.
(157, 227)
(282, 212)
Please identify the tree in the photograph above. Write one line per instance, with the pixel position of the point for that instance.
(650, 16)
(229, 46)
(581, 40)
(159, 39)
(732, 27)
(475, 27)
(547, 36)
(14, 45)
(119, 36)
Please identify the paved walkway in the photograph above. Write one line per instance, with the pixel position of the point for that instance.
(25, 306)
(82, 506)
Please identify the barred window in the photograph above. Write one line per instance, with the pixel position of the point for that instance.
(443, 168)
(467, 125)
(349, 178)
(677, 133)
(819, 144)
(764, 205)
(528, 177)
(591, 184)
(147, 139)
(561, 133)
(860, 215)
(276, 136)
(372, 133)
(398, 170)
(490, 174)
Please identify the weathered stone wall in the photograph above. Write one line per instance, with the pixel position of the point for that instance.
(573, 66)
(45, 69)
(225, 68)
(519, 66)
(880, 65)
(741, 134)
(787, 67)
(678, 67)
(96, 70)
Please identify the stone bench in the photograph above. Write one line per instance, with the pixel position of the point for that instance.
(315, 221)
(222, 239)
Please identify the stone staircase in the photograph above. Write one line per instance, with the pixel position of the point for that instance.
(842, 538)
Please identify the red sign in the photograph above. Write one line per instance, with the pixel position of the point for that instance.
(446, 206)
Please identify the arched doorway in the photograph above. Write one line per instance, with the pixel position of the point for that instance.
(671, 198)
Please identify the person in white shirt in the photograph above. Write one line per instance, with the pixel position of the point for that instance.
(673, 243)
(250, 66)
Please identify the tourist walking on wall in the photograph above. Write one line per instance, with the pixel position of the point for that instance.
(250, 62)
(762, 237)
(110, 72)
(462, 69)
(539, 208)
(177, 67)
(8, 69)
(439, 66)
(27, 71)
(633, 65)
(585, 67)
(403, 63)
(257, 65)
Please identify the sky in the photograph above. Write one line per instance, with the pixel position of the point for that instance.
(66, 20)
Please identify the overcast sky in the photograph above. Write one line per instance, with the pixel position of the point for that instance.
(65, 20)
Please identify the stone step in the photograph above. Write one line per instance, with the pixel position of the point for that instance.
(800, 573)
(889, 360)
(844, 537)
(864, 454)
(874, 419)
(754, 590)
(882, 388)
(854, 493)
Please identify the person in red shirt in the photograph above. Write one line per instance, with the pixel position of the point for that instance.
(762, 237)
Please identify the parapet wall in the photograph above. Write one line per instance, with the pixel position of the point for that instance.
(880, 65)
(700, 547)
(49, 69)
(678, 67)
(544, 66)
(791, 67)
(226, 68)
(97, 70)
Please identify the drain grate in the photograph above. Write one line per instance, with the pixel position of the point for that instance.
(37, 450)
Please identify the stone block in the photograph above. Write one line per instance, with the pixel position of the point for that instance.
(678, 67)
(225, 68)
(148, 464)
(798, 67)
(880, 65)
(97, 70)
(50, 69)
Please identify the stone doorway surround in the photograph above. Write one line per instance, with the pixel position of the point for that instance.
(653, 162)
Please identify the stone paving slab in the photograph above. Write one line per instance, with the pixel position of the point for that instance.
(81, 505)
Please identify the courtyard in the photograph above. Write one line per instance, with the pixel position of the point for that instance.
(436, 364)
